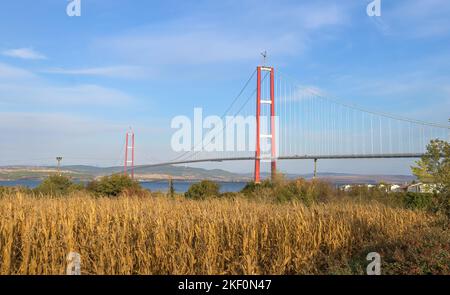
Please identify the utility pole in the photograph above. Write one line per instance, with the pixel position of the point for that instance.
(315, 168)
(59, 159)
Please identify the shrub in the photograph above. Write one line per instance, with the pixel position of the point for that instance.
(57, 185)
(3, 191)
(203, 190)
(263, 191)
(418, 201)
(283, 190)
(293, 190)
(441, 203)
(171, 191)
(114, 185)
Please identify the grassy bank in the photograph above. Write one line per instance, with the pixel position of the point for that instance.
(160, 235)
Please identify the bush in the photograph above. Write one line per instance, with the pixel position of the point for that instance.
(282, 190)
(3, 191)
(114, 185)
(418, 201)
(441, 203)
(57, 185)
(203, 190)
(252, 187)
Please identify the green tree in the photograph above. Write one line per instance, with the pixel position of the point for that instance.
(171, 188)
(114, 185)
(57, 185)
(203, 190)
(434, 166)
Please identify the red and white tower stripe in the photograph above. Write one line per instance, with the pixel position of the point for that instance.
(129, 149)
(272, 135)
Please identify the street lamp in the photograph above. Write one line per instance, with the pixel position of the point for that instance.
(59, 159)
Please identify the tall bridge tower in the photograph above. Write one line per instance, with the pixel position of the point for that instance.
(271, 136)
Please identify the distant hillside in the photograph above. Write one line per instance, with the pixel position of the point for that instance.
(90, 172)
(81, 172)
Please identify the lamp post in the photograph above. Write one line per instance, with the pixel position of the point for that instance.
(59, 159)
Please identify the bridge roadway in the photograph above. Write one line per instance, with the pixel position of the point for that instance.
(296, 157)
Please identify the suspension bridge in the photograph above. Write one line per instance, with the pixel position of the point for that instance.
(289, 121)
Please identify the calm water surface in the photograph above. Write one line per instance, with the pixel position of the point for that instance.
(180, 186)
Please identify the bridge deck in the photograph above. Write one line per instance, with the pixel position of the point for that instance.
(296, 157)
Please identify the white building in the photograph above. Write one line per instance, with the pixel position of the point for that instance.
(346, 187)
(395, 188)
(421, 188)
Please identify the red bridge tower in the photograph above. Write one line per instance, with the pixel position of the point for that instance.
(129, 149)
(272, 136)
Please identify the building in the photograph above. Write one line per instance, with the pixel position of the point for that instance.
(346, 188)
(421, 188)
(395, 188)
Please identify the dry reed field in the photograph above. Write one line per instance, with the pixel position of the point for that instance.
(157, 235)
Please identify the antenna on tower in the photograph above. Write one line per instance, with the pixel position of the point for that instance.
(264, 55)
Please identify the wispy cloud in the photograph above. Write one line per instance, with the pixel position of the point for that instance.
(419, 18)
(198, 46)
(36, 123)
(283, 31)
(8, 72)
(127, 72)
(24, 53)
(86, 94)
(19, 86)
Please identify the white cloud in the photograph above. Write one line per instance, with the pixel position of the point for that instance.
(302, 92)
(199, 46)
(311, 16)
(19, 86)
(199, 40)
(8, 72)
(419, 18)
(51, 123)
(128, 72)
(86, 94)
(24, 53)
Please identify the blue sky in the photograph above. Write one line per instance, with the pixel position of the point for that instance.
(73, 85)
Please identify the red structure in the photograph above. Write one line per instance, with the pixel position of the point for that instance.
(129, 149)
(259, 136)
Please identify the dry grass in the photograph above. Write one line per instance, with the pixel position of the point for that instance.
(176, 236)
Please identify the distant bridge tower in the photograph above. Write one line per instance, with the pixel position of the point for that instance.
(129, 151)
(272, 136)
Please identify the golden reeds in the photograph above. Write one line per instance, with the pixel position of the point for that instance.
(131, 235)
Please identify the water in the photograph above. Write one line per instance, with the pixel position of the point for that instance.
(162, 186)
(30, 183)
